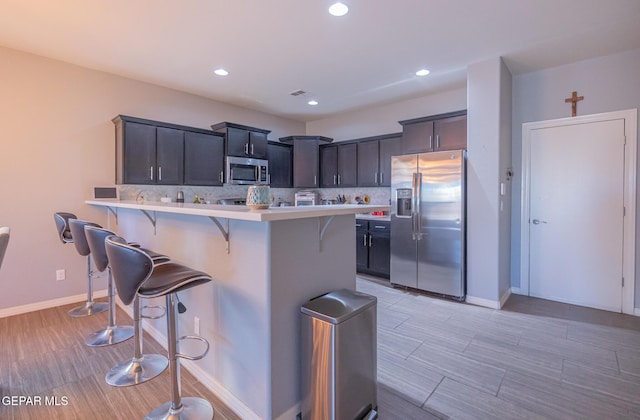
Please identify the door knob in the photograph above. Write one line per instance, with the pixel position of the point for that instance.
(537, 222)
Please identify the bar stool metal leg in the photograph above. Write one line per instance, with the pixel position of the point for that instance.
(187, 408)
(113, 334)
(142, 367)
(90, 307)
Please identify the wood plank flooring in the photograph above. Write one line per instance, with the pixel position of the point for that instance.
(534, 359)
(437, 359)
(42, 354)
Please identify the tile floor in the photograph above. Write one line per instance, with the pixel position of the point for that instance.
(533, 359)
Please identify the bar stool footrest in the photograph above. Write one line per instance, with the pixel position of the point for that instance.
(164, 312)
(193, 337)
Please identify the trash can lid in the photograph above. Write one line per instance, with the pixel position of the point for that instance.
(338, 306)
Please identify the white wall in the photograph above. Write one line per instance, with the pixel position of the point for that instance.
(488, 213)
(58, 143)
(384, 119)
(609, 83)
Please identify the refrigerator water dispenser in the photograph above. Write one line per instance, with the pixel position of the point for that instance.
(404, 200)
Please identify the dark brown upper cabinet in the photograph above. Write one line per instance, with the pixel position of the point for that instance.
(389, 147)
(147, 153)
(450, 133)
(306, 170)
(155, 152)
(338, 165)
(280, 164)
(204, 159)
(242, 140)
(374, 159)
(434, 133)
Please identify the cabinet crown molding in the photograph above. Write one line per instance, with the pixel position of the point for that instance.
(433, 117)
(290, 139)
(226, 124)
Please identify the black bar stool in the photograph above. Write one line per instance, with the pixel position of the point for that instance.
(113, 334)
(142, 367)
(79, 239)
(5, 233)
(62, 224)
(134, 273)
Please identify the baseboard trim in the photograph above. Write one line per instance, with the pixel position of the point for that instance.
(220, 391)
(636, 311)
(31, 307)
(505, 297)
(493, 304)
(519, 291)
(291, 413)
(201, 375)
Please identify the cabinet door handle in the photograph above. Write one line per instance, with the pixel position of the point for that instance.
(376, 178)
(338, 179)
(221, 177)
(370, 241)
(159, 173)
(381, 178)
(251, 149)
(438, 141)
(430, 142)
(315, 180)
(246, 148)
(334, 180)
(151, 173)
(364, 239)
(380, 227)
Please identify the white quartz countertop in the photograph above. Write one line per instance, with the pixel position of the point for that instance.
(243, 212)
(385, 218)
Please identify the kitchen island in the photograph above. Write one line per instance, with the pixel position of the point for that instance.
(265, 265)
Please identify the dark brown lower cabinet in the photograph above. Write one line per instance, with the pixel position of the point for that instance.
(373, 250)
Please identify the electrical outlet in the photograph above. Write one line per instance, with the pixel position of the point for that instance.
(196, 325)
(61, 274)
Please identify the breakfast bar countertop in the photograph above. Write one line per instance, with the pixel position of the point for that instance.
(243, 212)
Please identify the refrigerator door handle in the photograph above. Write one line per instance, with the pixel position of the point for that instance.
(418, 209)
(414, 205)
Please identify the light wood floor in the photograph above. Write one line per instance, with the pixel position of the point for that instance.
(533, 359)
(42, 354)
(436, 359)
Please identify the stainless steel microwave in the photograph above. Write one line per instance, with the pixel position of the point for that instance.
(247, 171)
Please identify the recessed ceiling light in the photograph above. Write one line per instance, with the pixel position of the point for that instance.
(338, 9)
(422, 72)
(313, 102)
(221, 72)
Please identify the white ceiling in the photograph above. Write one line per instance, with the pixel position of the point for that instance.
(273, 47)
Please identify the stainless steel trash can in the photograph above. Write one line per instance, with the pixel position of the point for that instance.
(339, 349)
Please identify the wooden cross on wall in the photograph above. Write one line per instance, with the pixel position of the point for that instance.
(574, 102)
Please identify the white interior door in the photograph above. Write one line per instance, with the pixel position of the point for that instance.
(576, 213)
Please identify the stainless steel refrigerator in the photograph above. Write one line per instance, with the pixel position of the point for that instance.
(428, 222)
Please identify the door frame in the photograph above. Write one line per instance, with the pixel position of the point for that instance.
(630, 116)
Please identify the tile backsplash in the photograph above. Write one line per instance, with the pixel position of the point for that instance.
(377, 195)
